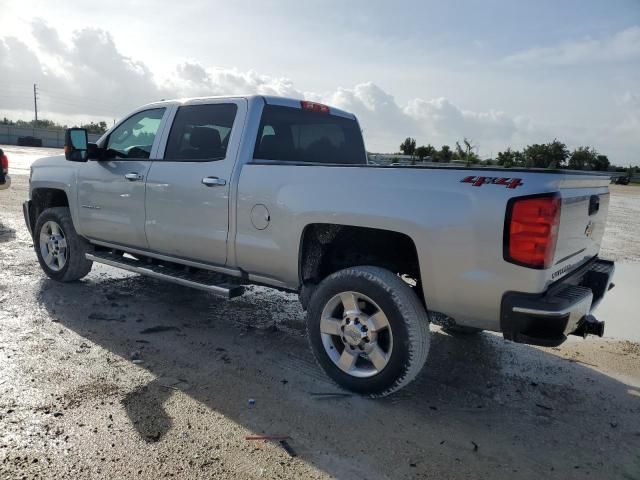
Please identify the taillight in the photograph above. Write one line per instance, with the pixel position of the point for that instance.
(314, 107)
(531, 230)
(4, 163)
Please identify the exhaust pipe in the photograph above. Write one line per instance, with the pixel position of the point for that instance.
(590, 325)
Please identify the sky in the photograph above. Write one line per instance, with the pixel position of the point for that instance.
(501, 73)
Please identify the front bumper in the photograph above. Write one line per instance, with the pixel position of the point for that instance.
(565, 308)
(26, 211)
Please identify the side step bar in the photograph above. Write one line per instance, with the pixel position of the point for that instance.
(202, 280)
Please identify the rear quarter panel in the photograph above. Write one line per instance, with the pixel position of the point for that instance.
(457, 228)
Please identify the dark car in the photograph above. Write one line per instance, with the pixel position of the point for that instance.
(622, 180)
(29, 141)
(5, 180)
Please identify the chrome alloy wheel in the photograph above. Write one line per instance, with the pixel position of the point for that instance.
(356, 334)
(53, 246)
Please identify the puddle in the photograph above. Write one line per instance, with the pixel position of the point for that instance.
(620, 308)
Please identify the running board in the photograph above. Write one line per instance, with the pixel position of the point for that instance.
(182, 275)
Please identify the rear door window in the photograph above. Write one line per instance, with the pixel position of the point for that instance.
(295, 135)
(201, 132)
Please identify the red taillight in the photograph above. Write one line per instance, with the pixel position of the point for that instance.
(314, 107)
(4, 162)
(531, 230)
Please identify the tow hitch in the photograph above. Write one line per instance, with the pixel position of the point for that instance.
(590, 325)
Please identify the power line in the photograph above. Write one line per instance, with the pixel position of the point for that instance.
(35, 100)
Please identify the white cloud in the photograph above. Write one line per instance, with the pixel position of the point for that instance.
(88, 77)
(631, 100)
(622, 46)
(444, 118)
(383, 121)
(192, 79)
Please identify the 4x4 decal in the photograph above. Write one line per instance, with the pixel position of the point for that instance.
(479, 181)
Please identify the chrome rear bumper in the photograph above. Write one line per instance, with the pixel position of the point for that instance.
(565, 308)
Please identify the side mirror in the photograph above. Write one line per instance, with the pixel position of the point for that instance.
(76, 144)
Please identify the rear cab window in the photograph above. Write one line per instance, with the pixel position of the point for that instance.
(201, 132)
(296, 135)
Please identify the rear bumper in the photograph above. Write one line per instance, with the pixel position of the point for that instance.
(565, 308)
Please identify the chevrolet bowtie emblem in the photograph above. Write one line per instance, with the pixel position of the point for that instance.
(588, 231)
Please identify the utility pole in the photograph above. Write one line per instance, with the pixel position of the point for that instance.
(35, 101)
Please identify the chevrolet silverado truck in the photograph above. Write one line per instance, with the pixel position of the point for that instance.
(219, 193)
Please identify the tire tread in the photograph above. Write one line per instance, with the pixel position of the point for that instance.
(412, 311)
(78, 266)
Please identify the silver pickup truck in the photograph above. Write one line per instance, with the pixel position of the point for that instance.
(217, 193)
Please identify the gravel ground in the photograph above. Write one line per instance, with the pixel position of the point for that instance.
(623, 224)
(119, 376)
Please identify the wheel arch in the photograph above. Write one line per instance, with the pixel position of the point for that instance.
(43, 198)
(326, 248)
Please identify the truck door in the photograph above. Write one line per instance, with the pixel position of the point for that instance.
(187, 200)
(111, 192)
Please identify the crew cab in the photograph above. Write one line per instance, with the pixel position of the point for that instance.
(217, 193)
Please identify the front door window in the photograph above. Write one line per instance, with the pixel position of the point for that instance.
(134, 137)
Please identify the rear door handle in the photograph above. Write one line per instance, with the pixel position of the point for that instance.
(214, 181)
(133, 176)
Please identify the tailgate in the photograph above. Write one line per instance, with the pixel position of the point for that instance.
(582, 221)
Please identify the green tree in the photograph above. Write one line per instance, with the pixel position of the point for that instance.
(558, 153)
(92, 127)
(408, 147)
(518, 159)
(583, 158)
(602, 163)
(467, 153)
(99, 127)
(445, 154)
(421, 152)
(507, 159)
(547, 155)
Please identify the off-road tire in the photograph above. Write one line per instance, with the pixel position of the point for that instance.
(76, 266)
(408, 321)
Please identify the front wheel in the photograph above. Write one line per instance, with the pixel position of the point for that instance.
(368, 330)
(60, 250)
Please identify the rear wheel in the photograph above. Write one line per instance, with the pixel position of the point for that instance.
(60, 250)
(368, 330)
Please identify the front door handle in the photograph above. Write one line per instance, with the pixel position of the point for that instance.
(133, 177)
(214, 181)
